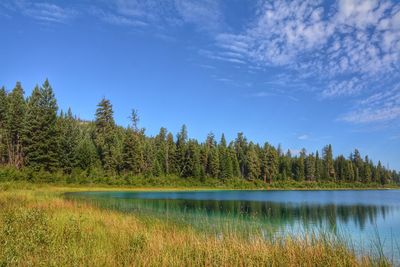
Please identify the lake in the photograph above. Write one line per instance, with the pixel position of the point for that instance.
(365, 218)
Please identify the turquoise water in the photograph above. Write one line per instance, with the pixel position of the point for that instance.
(365, 218)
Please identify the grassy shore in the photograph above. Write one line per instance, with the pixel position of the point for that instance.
(39, 227)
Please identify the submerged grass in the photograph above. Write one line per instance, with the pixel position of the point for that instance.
(40, 228)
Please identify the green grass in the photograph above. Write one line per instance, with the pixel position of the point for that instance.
(38, 227)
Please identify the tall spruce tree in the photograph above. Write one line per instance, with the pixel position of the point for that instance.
(181, 147)
(68, 130)
(241, 150)
(15, 126)
(41, 135)
(105, 135)
(171, 167)
(252, 163)
(3, 123)
(328, 164)
(272, 163)
(310, 167)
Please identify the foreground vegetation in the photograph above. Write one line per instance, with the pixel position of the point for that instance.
(39, 227)
(36, 138)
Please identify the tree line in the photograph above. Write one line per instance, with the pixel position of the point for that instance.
(34, 135)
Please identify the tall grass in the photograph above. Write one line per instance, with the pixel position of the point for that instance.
(40, 228)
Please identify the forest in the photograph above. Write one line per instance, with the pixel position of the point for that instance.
(37, 140)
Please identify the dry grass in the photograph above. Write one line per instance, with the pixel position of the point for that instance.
(39, 228)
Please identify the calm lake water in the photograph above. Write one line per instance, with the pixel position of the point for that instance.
(363, 217)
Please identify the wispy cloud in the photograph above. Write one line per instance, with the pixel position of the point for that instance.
(274, 94)
(379, 107)
(303, 137)
(115, 19)
(343, 49)
(41, 11)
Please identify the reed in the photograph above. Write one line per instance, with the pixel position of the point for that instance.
(38, 227)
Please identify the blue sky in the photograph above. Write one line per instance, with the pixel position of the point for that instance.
(299, 73)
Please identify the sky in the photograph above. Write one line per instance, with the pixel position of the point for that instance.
(296, 73)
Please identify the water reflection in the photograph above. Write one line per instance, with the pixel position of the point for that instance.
(268, 212)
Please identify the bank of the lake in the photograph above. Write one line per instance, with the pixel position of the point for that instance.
(39, 227)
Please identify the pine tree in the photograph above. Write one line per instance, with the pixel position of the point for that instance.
(225, 163)
(358, 164)
(272, 163)
(87, 157)
(68, 130)
(213, 162)
(241, 150)
(162, 150)
(41, 134)
(252, 163)
(284, 167)
(328, 164)
(132, 152)
(310, 167)
(235, 162)
(171, 167)
(105, 138)
(264, 168)
(367, 173)
(181, 147)
(192, 160)
(15, 125)
(3, 123)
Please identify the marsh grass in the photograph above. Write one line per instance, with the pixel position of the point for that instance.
(40, 228)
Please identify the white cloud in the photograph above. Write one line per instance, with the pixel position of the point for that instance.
(43, 11)
(303, 137)
(379, 107)
(115, 19)
(350, 48)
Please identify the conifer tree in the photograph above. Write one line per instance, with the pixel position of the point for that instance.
(272, 163)
(235, 162)
(87, 158)
(225, 163)
(162, 150)
(310, 167)
(181, 147)
(328, 164)
(15, 125)
(41, 134)
(252, 163)
(3, 123)
(68, 130)
(241, 150)
(105, 138)
(213, 163)
(170, 167)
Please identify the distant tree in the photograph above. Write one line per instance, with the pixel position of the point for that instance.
(235, 162)
(3, 123)
(272, 163)
(105, 135)
(181, 147)
(68, 130)
(252, 163)
(241, 150)
(225, 163)
(86, 154)
(171, 165)
(328, 164)
(310, 167)
(162, 150)
(367, 172)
